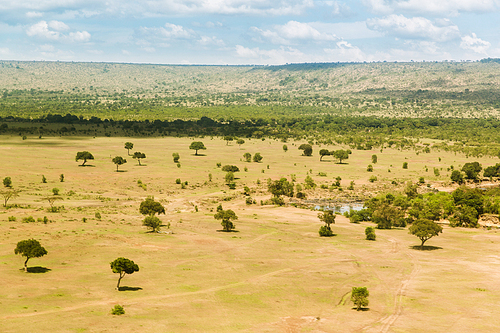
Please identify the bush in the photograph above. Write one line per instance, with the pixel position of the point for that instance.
(28, 219)
(248, 200)
(55, 191)
(44, 180)
(405, 165)
(325, 231)
(152, 222)
(232, 168)
(12, 218)
(178, 181)
(369, 168)
(421, 180)
(61, 177)
(117, 310)
(373, 179)
(7, 182)
(370, 233)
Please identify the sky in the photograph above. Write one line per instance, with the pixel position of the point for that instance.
(257, 32)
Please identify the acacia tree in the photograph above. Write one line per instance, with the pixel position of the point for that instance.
(150, 207)
(247, 157)
(328, 218)
(341, 154)
(359, 296)
(323, 153)
(425, 229)
(197, 145)
(128, 146)
(176, 157)
(8, 194)
(257, 157)
(30, 248)
(138, 156)
(228, 138)
(306, 149)
(226, 216)
(123, 266)
(83, 155)
(118, 160)
(240, 142)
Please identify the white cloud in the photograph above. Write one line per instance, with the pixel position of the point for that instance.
(53, 31)
(436, 7)
(339, 9)
(4, 51)
(293, 32)
(273, 56)
(345, 52)
(33, 14)
(415, 28)
(475, 44)
(169, 32)
(205, 40)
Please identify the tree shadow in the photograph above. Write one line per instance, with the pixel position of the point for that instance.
(425, 248)
(87, 165)
(222, 230)
(37, 269)
(121, 170)
(198, 155)
(360, 309)
(126, 288)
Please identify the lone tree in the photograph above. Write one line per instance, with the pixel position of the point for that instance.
(151, 207)
(425, 229)
(328, 218)
(247, 157)
(285, 148)
(118, 160)
(323, 153)
(306, 148)
(341, 154)
(84, 155)
(138, 156)
(8, 194)
(228, 138)
(257, 157)
(7, 182)
(30, 248)
(197, 145)
(152, 222)
(240, 142)
(176, 157)
(128, 146)
(359, 296)
(279, 188)
(226, 216)
(370, 233)
(123, 266)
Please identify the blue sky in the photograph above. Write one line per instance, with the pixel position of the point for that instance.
(248, 32)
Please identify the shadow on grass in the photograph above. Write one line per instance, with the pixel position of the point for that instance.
(198, 155)
(121, 170)
(37, 269)
(425, 248)
(222, 230)
(126, 288)
(87, 166)
(361, 309)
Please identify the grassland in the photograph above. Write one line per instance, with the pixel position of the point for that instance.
(275, 274)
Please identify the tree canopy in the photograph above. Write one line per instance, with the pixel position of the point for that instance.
(226, 216)
(138, 156)
(123, 266)
(151, 207)
(197, 145)
(83, 155)
(359, 296)
(425, 229)
(472, 170)
(306, 149)
(341, 154)
(29, 248)
(118, 160)
(128, 146)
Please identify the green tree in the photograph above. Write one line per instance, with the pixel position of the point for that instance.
(323, 153)
(232, 168)
(8, 194)
(240, 142)
(369, 168)
(229, 177)
(123, 266)
(386, 216)
(370, 233)
(425, 229)
(279, 188)
(328, 218)
(374, 159)
(405, 165)
(306, 149)
(227, 139)
(257, 157)
(83, 155)
(128, 146)
(341, 155)
(138, 156)
(152, 222)
(118, 160)
(247, 157)
(359, 296)
(457, 177)
(117, 310)
(472, 170)
(7, 182)
(176, 157)
(197, 145)
(226, 216)
(285, 148)
(30, 248)
(151, 207)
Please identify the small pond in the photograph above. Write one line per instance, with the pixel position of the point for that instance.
(341, 208)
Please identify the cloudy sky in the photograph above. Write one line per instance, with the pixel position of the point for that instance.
(248, 32)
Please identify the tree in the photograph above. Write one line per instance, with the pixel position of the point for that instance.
(7, 182)
(386, 216)
(138, 156)
(152, 222)
(176, 157)
(228, 138)
(464, 196)
(247, 157)
(30, 248)
(118, 160)
(323, 153)
(279, 188)
(232, 168)
(226, 216)
(328, 218)
(197, 145)
(359, 296)
(83, 155)
(285, 148)
(425, 229)
(123, 266)
(457, 177)
(151, 207)
(306, 149)
(229, 177)
(472, 170)
(257, 157)
(128, 146)
(374, 159)
(8, 194)
(405, 165)
(240, 142)
(341, 155)
(370, 233)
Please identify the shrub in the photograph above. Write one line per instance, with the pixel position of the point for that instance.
(55, 191)
(370, 233)
(178, 181)
(248, 200)
(44, 180)
(232, 168)
(405, 165)
(28, 219)
(7, 182)
(117, 310)
(421, 180)
(373, 179)
(369, 168)
(325, 231)
(61, 177)
(12, 218)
